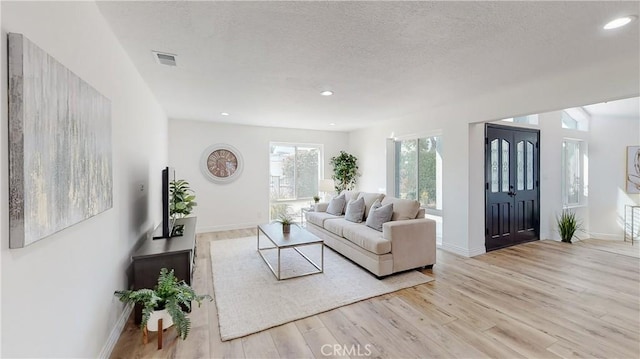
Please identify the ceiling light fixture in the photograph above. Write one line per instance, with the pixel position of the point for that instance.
(619, 22)
(326, 93)
(224, 113)
(332, 124)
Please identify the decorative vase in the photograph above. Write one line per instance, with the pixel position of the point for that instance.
(286, 228)
(167, 321)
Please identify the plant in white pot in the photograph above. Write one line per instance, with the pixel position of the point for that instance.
(170, 296)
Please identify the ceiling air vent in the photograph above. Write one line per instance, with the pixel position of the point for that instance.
(164, 58)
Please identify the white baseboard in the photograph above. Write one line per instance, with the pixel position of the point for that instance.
(607, 236)
(105, 353)
(465, 252)
(228, 227)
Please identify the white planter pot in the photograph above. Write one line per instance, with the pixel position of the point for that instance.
(167, 321)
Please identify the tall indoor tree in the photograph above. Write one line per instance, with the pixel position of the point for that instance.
(345, 171)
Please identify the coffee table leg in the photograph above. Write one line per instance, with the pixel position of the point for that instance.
(322, 257)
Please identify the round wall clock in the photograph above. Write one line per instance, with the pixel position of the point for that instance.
(221, 163)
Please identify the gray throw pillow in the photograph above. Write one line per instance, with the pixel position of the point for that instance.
(375, 205)
(378, 215)
(336, 205)
(355, 210)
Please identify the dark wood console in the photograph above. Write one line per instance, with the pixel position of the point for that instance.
(177, 253)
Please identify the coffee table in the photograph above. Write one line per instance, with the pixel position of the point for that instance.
(298, 237)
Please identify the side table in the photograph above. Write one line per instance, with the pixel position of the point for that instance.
(304, 210)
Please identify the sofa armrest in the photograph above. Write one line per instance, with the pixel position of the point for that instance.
(413, 242)
(320, 207)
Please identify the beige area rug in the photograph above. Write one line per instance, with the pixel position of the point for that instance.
(250, 299)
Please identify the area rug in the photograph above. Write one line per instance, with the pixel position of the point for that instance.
(250, 299)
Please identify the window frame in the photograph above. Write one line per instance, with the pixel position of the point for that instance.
(582, 168)
(295, 146)
(396, 144)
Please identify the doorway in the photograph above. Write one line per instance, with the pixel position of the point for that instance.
(512, 186)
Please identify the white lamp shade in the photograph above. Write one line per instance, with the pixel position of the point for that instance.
(326, 185)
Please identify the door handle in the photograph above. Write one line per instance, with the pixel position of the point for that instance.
(512, 194)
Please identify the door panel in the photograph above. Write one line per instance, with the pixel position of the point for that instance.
(512, 186)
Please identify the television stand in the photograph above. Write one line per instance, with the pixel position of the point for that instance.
(176, 253)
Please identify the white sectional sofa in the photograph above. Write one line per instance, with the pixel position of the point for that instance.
(406, 242)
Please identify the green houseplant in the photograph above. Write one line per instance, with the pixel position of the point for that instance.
(568, 225)
(316, 198)
(183, 199)
(286, 219)
(345, 171)
(171, 294)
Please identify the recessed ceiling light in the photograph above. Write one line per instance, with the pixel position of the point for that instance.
(619, 22)
(332, 124)
(326, 93)
(224, 113)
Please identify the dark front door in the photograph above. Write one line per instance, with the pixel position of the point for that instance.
(512, 191)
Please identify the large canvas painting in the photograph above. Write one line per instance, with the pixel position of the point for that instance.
(59, 146)
(633, 169)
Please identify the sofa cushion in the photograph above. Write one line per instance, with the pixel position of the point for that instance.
(379, 215)
(369, 198)
(366, 238)
(335, 225)
(402, 208)
(355, 211)
(336, 206)
(318, 218)
(350, 195)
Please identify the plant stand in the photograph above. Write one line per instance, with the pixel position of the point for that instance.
(145, 334)
(162, 318)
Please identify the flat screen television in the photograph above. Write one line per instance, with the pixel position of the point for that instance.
(165, 230)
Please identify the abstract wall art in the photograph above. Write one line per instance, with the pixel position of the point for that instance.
(633, 169)
(60, 170)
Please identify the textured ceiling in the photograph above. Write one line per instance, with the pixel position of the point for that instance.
(265, 63)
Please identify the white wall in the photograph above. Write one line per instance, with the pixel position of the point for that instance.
(244, 202)
(609, 138)
(551, 135)
(57, 294)
(463, 207)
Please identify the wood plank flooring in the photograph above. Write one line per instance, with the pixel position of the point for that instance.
(542, 299)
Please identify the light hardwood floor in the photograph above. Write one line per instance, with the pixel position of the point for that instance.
(543, 299)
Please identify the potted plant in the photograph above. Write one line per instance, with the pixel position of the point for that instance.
(183, 199)
(170, 295)
(568, 224)
(286, 219)
(316, 199)
(345, 171)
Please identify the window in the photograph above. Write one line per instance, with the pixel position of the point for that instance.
(294, 173)
(574, 172)
(529, 120)
(418, 171)
(575, 119)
